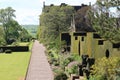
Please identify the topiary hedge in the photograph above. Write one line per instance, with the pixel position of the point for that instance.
(8, 51)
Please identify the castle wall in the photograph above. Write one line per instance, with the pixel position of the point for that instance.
(74, 44)
(91, 44)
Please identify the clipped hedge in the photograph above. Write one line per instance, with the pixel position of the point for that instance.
(15, 48)
(8, 51)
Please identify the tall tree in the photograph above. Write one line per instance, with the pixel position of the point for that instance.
(24, 35)
(13, 30)
(6, 15)
(105, 23)
(54, 21)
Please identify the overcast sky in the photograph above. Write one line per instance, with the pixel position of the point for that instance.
(28, 11)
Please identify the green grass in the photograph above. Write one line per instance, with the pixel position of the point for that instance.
(14, 66)
(23, 43)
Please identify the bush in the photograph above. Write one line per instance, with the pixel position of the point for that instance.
(68, 58)
(1, 50)
(106, 69)
(72, 70)
(2, 42)
(8, 51)
(62, 61)
(61, 76)
(15, 44)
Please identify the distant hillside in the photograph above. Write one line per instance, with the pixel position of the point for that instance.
(32, 29)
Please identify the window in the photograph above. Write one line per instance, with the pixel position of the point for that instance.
(100, 42)
(82, 39)
(76, 38)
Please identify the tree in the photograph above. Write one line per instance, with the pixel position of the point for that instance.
(103, 21)
(53, 21)
(6, 16)
(2, 41)
(13, 30)
(24, 35)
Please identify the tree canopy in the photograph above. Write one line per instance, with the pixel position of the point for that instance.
(11, 27)
(104, 21)
(53, 21)
(6, 16)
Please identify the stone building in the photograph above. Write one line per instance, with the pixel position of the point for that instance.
(89, 43)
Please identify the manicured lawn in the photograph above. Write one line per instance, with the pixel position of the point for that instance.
(14, 66)
(23, 43)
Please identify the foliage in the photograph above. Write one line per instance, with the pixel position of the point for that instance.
(70, 63)
(53, 57)
(32, 29)
(8, 51)
(65, 59)
(72, 70)
(24, 35)
(2, 41)
(61, 76)
(61, 61)
(104, 21)
(106, 69)
(15, 43)
(10, 26)
(53, 22)
(13, 30)
(6, 15)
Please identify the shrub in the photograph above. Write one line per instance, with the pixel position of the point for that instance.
(1, 50)
(66, 59)
(61, 76)
(106, 69)
(62, 61)
(72, 70)
(15, 44)
(2, 42)
(8, 51)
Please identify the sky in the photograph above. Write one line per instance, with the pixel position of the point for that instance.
(28, 11)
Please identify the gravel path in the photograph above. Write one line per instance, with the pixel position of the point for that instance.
(39, 68)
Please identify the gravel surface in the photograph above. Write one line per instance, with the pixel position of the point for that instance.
(39, 68)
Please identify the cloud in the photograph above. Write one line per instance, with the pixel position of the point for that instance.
(27, 17)
(70, 2)
(28, 11)
(3, 1)
(42, 0)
